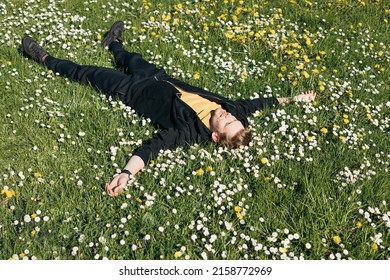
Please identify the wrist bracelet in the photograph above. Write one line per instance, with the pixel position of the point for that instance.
(125, 171)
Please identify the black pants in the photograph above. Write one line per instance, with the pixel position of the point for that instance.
(111, 82)
(140, 86)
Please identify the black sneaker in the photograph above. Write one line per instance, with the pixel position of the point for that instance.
(114, 34)
(33, 49)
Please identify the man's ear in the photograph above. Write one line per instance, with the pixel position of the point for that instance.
(215, 137)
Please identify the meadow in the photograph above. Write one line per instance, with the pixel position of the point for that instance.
(314, 183)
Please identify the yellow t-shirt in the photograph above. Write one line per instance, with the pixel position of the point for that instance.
(200, 105)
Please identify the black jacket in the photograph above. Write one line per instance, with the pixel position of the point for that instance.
(177, 122)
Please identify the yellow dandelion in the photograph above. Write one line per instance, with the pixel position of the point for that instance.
(342, 138)
(324, 130)
(178, 6)
(346, 121)
(9, 63)
(267, 179)
(369, 116)
(337, 239)
(264, 160)
(99, 37)
(290, 52)
(37, 175)
(374, 247)
(177, 255)
(33, 232)
(237, 209)
(33, 216)
(305, 74)
(239, 215)
(310, 138)
(306, 58)
(229, 34)
(139, 200)
(199, 172)
(8, 193)
(196, 76)
(322, 88)
(209, 168)
(359, 224)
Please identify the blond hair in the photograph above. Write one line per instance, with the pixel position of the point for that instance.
(242, 138)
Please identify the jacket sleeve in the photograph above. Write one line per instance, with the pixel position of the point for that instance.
(250, 106)
(166, 139)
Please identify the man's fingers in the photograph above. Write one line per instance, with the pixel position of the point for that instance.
(110, 189)
(117, 186)
(114, 190)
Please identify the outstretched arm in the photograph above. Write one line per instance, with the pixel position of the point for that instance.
(308, 96)
(118, 184)
(165, 139)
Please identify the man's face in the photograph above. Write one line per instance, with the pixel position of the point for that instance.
(222, 121)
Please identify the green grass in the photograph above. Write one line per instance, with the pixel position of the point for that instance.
(315, 186)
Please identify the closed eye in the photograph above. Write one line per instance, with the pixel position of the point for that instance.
(230, 123)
